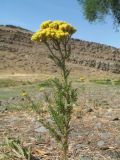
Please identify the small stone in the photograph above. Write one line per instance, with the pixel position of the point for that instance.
(89, 110)
(105, 135)
(41, 129)
(110, 110)
(115, 119)
(109, 113)
(22, 99)
(101, 144)
(98, 125)
(49, 120)
(80, 146)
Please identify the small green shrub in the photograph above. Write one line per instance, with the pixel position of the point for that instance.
(102, 81)
(117, 82)
(12, 83)
(46, 83)
(17, 149)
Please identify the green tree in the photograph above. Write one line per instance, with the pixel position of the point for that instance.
(98, 9)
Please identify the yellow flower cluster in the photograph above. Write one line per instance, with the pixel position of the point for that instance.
(82, 79)
(53, 30)
(41, 89)
(24, 93)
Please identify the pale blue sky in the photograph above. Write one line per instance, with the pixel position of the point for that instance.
(30, 13)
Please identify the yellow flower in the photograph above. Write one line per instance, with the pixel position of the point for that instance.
(53, 30)
(45, 24)
(54, 25)
(24, 93)
(82, 79)
(41, 89)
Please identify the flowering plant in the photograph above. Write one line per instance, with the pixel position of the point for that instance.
(56, 35)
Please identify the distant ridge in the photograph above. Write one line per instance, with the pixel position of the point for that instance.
(19, 54)
(14, 27)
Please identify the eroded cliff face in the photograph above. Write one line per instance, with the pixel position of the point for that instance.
(19, 54)
(95, 55)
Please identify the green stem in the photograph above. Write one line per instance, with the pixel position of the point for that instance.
(61, 59)
(65, 148)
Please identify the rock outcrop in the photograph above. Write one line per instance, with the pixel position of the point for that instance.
(19, 54)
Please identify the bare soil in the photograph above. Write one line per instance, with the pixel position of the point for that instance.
(95, 126)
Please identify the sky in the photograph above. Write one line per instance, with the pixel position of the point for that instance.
(30, 14)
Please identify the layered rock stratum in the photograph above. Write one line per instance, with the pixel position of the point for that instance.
(19, 54)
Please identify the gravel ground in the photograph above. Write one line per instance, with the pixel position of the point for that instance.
(95, 126)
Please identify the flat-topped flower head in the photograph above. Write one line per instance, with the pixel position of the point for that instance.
(53, 30)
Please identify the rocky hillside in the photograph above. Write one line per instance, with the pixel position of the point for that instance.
(19, 54)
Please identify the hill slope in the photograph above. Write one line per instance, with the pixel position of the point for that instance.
(19, 54)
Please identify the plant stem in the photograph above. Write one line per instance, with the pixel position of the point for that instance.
(61, 59)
